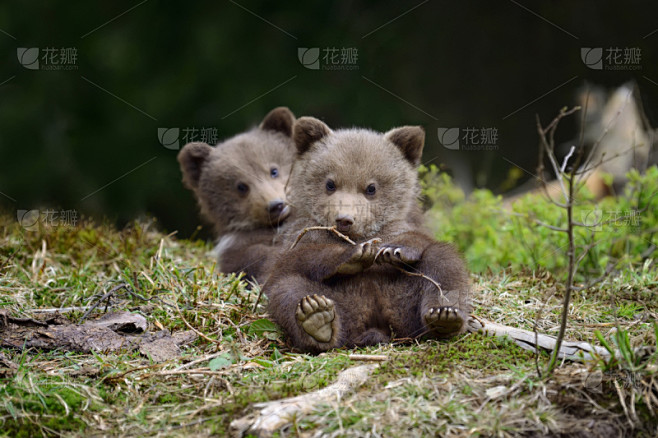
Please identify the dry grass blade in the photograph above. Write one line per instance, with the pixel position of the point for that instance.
(213, 341)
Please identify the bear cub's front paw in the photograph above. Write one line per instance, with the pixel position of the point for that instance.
(316, 315)
(398, 255)
(362, 258)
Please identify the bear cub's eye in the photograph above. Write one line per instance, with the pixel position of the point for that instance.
(331, 187)
(243, 188)
(274, 172)
(370, 190)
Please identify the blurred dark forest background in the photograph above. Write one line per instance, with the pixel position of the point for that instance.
(85, 138)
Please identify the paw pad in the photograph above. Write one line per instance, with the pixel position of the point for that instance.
(316, 314)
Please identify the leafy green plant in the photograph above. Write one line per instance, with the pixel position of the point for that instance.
(493, 237)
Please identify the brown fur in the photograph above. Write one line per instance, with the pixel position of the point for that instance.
(327, 293)
(246, 221)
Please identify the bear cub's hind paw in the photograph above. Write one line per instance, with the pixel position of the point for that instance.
(444, 321)
(316, 315)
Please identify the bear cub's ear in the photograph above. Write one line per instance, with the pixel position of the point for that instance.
(280, 119)
(307, 131)
(410, 140)
(191, 159)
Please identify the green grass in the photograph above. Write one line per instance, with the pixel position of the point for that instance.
(472, 385)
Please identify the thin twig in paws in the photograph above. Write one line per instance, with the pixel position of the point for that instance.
(332, 229)
(420, 274)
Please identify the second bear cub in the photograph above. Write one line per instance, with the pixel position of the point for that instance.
(326, 292)
(240, 186)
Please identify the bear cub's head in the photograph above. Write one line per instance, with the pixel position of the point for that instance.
(240, 183)
(361, 181)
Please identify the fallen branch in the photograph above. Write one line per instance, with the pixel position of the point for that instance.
(271, 416)
(570, 350)
(58, 310)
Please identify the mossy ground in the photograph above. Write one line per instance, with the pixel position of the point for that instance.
(472, 385)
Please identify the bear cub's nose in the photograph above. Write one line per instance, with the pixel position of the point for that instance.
(275, 207)
(344, 223)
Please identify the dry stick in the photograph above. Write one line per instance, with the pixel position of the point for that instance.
(105, 296)
(237, 331)
(332, 229)
(569, 201)
(132, 370)
(268, 417)
(373, 357)
(480, 320)
(59, 310)
(420, 274)
(184, 372)
(550, 145)
(260, 294)
(534, 329)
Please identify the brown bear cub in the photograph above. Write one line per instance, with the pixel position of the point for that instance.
(326, 292)
(240, 187)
